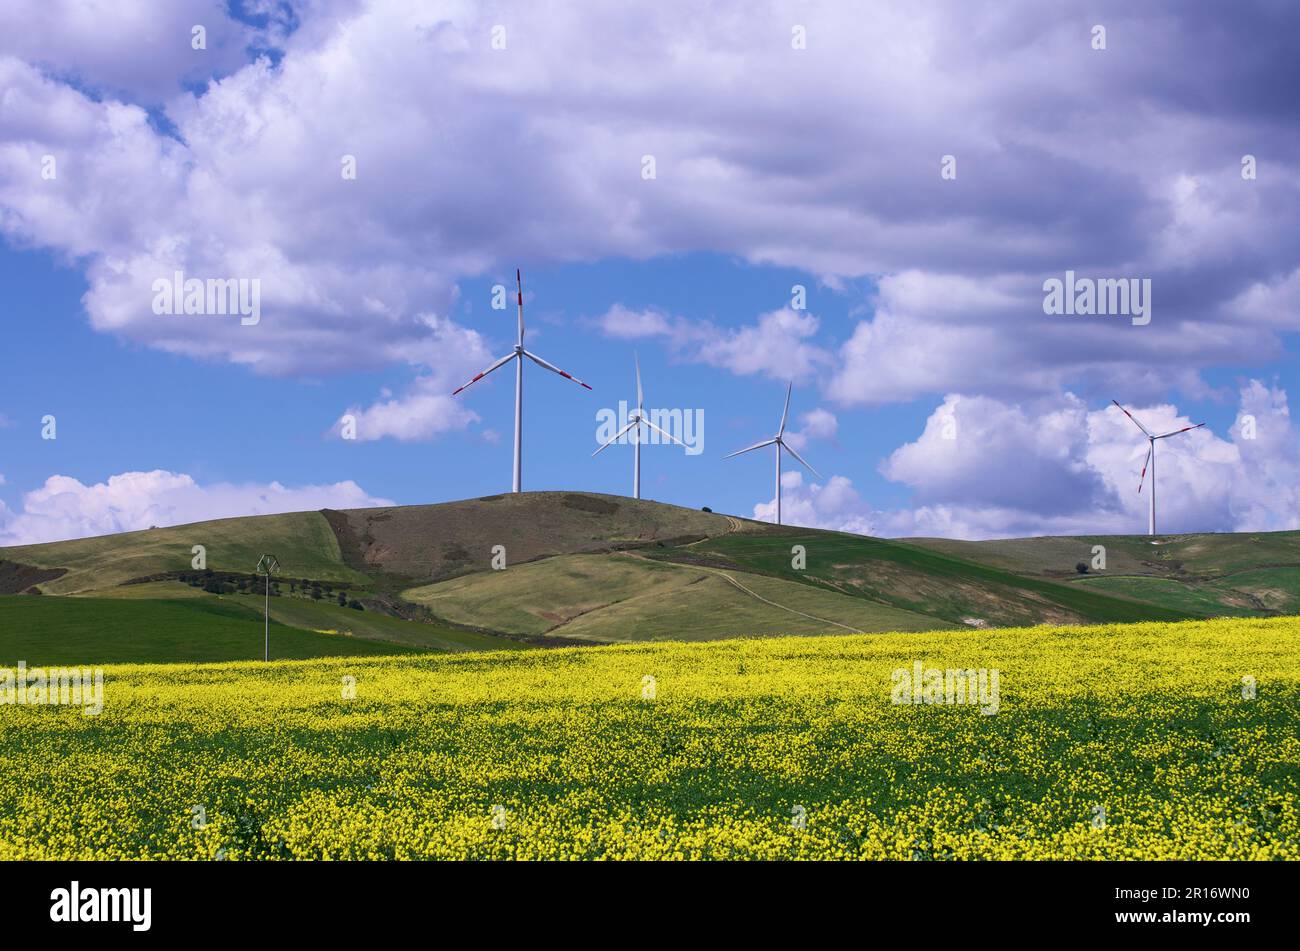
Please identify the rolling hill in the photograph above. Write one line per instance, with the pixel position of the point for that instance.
(630, 597)
(1243, 574)
(303, 540)
(549, 568)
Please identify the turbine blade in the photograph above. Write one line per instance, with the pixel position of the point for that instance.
(640, 398)
(500, 363)
(519, 286)
(614, 438)
(800, 458)
(666, 435)
(553, 368)
(1134, 418)
(1177, 431)
(1142, 481)
(757, 445)
(786, 411)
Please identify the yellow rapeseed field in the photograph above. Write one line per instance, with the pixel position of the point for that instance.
(1138, 741)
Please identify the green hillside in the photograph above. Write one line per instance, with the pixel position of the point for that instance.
(1207, 600)
(433, 542)
(324, 617)
(622, 597)
(917, 579)
(1246, 573)
(1198, 555)
(84, 631)
(303, 541)
(587, 568)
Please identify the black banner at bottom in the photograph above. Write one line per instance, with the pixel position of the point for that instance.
(1217, 901)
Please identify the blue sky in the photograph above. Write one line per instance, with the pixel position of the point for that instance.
(122, 406)
(932, 392)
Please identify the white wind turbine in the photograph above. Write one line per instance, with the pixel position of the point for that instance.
(636, 420)
(779, 442)
(1151, 461)
(518, 354)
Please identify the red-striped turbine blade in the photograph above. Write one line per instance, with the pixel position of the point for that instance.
(1132, 417)
(500, 363)
(554, 369)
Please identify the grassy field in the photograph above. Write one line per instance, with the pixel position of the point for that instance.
(1208, 575)
(1204, 600)
(1277, 589)
(1164, 555)
(322, 617)
(51, 631)
(536, 597)
(714, 608)
(919, 580)
(615, 598)
(1106, 742)
(434, 542)
(303, 542)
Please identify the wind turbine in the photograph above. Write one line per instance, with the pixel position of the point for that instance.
(779, 442)
(1151, 461)
(636, 420)
(518, 354)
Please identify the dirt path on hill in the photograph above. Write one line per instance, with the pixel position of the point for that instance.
(753, 594)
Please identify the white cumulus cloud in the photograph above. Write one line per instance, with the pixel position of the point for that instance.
(66, 508)
(469, 157)
(983, 468)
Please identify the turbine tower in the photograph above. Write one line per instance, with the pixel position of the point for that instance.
(779, 442)
(637, 419)
(518, 354)
(1151, 462)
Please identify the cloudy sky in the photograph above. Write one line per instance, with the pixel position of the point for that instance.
(866, 199)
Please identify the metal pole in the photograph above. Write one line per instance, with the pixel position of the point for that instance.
(519, 420)
(777, 447)
(636, 464)
(1151, 526)
(266, 646)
